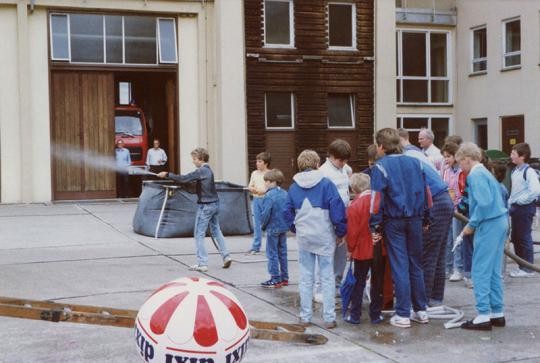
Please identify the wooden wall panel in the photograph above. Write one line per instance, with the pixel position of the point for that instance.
(98, 129)
(65, 131)
(310, 71)
(281, 147)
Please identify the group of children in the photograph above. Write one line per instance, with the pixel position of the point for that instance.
(402, 208)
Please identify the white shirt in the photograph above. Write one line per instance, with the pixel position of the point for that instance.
(339, 177)
(156, 157)
(434, 154)
(524, 191)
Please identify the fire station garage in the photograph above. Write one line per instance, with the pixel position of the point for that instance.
(79, 76)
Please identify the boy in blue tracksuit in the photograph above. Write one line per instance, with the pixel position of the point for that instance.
(488, 220)
(399, 208)
(316, 213)
(273, 222)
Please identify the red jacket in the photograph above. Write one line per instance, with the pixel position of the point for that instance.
(359, 242)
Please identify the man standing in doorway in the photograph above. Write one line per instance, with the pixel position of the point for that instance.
(156, 158)
(425, 139)
(123, 161)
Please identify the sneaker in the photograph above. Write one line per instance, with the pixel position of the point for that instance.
(400, 321)
(468, 282)
(271, 284)
(284, 282)
(330, 324)
(456, 276)
(349, 319)
(200, 268)
(318, 298)
(521, 273)
(377, 320)
(420, 316)
(252, 253)
(227, 262)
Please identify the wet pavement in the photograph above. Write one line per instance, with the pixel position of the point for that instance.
(87, 253)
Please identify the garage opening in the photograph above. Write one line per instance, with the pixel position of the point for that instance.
(112, 77)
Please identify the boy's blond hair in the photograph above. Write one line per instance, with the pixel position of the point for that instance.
(201, 153)
(360, 182)
(308, 159)
(274, 176)
(469, 149)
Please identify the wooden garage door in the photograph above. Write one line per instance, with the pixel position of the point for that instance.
(82, 133)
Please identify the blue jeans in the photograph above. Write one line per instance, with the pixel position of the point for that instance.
(454, 260)
(488, 252)
(403, 239)
(522, 218)
(276, 252)
(466, 254)
(207, 214)
(256, 205)
(307, 261)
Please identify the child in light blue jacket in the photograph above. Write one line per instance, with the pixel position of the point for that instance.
(316, 213)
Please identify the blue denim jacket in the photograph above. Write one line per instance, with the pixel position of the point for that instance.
(273, 211)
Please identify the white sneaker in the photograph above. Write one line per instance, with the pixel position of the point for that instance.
(318, 298)
(227, 262)
(420, 316)
(400, 321)
(521, 273)
(468, 282)
(456, 276)
(200, 268)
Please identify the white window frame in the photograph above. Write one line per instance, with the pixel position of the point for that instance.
(158, 55)
(159, 40)
(509, 54)
(429, 116)
(293, 113)
(353, 30)
(427, 77)
(51, 37)
(291, 25)
(352, 103)
(478, 60)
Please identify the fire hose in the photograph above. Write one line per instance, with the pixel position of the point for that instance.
(507, 250)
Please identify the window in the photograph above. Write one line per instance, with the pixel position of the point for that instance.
(480, 133)
(112, 39)
(341, 26)
(278, 23)
(423, 67)
(511, 43)
(340, 110)
(439, 124)
(279, 110)
(479, 49)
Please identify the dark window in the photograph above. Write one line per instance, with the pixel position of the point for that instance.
(340, 25)
(277, 22)
(279, 110)
(414, 54)
(86, 38)
(512, 43)
(479, 50)
(113, 38)
(340, 110)
(140, 39)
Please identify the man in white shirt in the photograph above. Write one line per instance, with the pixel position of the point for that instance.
(156, 158)
(425, 139)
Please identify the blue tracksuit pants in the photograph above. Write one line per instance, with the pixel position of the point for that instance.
(487, 260)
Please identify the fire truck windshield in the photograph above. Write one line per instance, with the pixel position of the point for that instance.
(129, 125)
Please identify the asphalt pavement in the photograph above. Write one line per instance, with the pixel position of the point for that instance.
(87, 253)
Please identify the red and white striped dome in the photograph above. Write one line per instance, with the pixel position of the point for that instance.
(192, 317)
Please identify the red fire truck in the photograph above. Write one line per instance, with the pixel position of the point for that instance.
(130, 127)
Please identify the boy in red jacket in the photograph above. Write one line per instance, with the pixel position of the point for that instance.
(364, 253)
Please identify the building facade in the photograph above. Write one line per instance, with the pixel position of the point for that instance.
(64, 64)
(309, 77)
